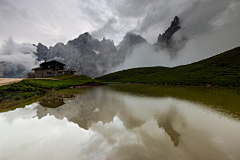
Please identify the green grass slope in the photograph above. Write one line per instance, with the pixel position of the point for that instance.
(222, 69)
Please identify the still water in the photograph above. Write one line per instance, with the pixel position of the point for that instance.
(125, 122)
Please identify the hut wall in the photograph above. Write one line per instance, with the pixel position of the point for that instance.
(60, 73)
(38, 74)
(48, 73)
(30, 75)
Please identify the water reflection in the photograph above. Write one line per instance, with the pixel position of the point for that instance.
(166, 121)
(221, 99)
(54, 100)
(83, 110)
(104, 123)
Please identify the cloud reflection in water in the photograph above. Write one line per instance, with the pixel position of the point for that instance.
(123, 127)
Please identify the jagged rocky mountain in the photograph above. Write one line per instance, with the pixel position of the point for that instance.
(90, 56)
(93, 57)
(165, 40)
(84, 54)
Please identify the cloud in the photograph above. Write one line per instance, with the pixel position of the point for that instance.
(18, 54)
(44, 21)
(195, 49)
(131, 9)
(107, 30)
(199, 18)
(209, 26)
(50, 22)
(206, 30)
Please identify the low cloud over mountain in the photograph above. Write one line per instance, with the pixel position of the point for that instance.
(201, 29)
(95, 58)
(16, 59)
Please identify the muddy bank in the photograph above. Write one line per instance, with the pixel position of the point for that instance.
(91, 84)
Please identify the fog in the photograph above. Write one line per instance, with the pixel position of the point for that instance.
(195, 49)
(18, 54)
(207, 28)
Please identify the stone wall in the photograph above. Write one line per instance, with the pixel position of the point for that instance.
(30, 75)
(48, 73)
(38, 74)
(59, 73)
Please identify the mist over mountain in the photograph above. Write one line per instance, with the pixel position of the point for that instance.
(187, 38)
(84, 54)
(125, 48)
(16, 60)
(165, 41)
(95, 58)
(90, 56)
(8, 69)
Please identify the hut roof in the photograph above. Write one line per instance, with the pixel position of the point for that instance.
(49, 62)
(38, 68)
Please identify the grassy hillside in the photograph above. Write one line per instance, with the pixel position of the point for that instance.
(222, 69)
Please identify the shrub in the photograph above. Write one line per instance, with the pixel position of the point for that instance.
(17, 98)
(61, 87)
(43, 91)
(25, 95)
(39, 92)
(8, 96)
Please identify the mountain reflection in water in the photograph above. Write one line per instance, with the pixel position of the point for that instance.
(113, 122)
(165, 122)
(85, 110)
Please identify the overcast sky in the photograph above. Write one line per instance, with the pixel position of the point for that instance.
(55, 21)
(209, 27)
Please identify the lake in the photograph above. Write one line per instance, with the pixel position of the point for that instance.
(125, 122)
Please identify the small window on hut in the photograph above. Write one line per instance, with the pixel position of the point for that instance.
(60, 72)
(49, 72)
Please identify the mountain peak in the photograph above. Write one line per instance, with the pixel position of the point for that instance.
(165, 40)
(131, 39)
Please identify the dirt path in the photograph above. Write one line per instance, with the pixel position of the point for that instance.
(4, 81)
